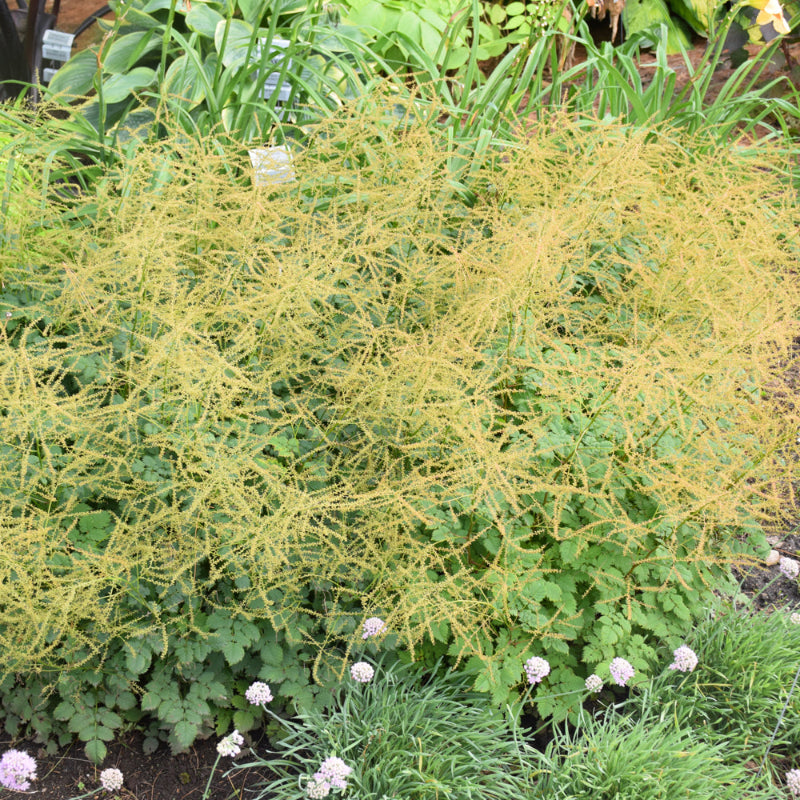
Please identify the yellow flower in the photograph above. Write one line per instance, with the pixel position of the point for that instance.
(771, 11)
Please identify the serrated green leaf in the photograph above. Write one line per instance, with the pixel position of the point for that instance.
(185, 733)
(233, 652)
(95, 751)
(63, 711)
(150, 701)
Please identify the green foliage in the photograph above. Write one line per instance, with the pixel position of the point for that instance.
(405, 734)
(524, 419)
(428, 22)
(643, 16)
(207, 65)
(747, 664)
(615, 756)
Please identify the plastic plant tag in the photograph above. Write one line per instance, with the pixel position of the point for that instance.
(271, 83)
(56, 45)
(272, 165)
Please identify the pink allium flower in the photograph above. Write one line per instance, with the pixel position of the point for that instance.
(793, 782)
(231, 744)
(17, 770)
(685, 659)
(373, 626)
(111, 780)
(333, 771)
(594, 683)
(536, 668)
(258, 694)
(789, 567)
(362, 672)
(621, 671)
(317, 787)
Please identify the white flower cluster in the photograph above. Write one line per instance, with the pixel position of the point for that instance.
(332, 774)
(594, 683)
(536, 668)
(795, 618)
(685, 659)
(231, 744)
(793, 782)
(111, 780)
(17, 770)
(373, 626)
(315, 788)
(621, 671)
(362, 672)
(258, 694)
(789, 567)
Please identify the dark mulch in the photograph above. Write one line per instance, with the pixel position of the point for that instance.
(160, 776)
(765, 586)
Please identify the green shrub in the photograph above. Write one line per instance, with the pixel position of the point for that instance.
(238, 421)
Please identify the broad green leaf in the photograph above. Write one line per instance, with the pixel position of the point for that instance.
(76, 77)
(410, 24)
(182, 81)
(126, 50)
(237, 42)
(252, 10)
(203, 20)
(119, 87)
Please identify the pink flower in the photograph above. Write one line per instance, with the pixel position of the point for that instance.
(536, 668)
(685, 659)
(621, 671)
(789, 567)
(333, 771)
(373, 626)
(17, 770)
(317, 787)
(594, 683)
(258, 694)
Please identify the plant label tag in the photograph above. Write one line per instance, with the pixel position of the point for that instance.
(272, 165)
(271, 83)
(57, 45)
